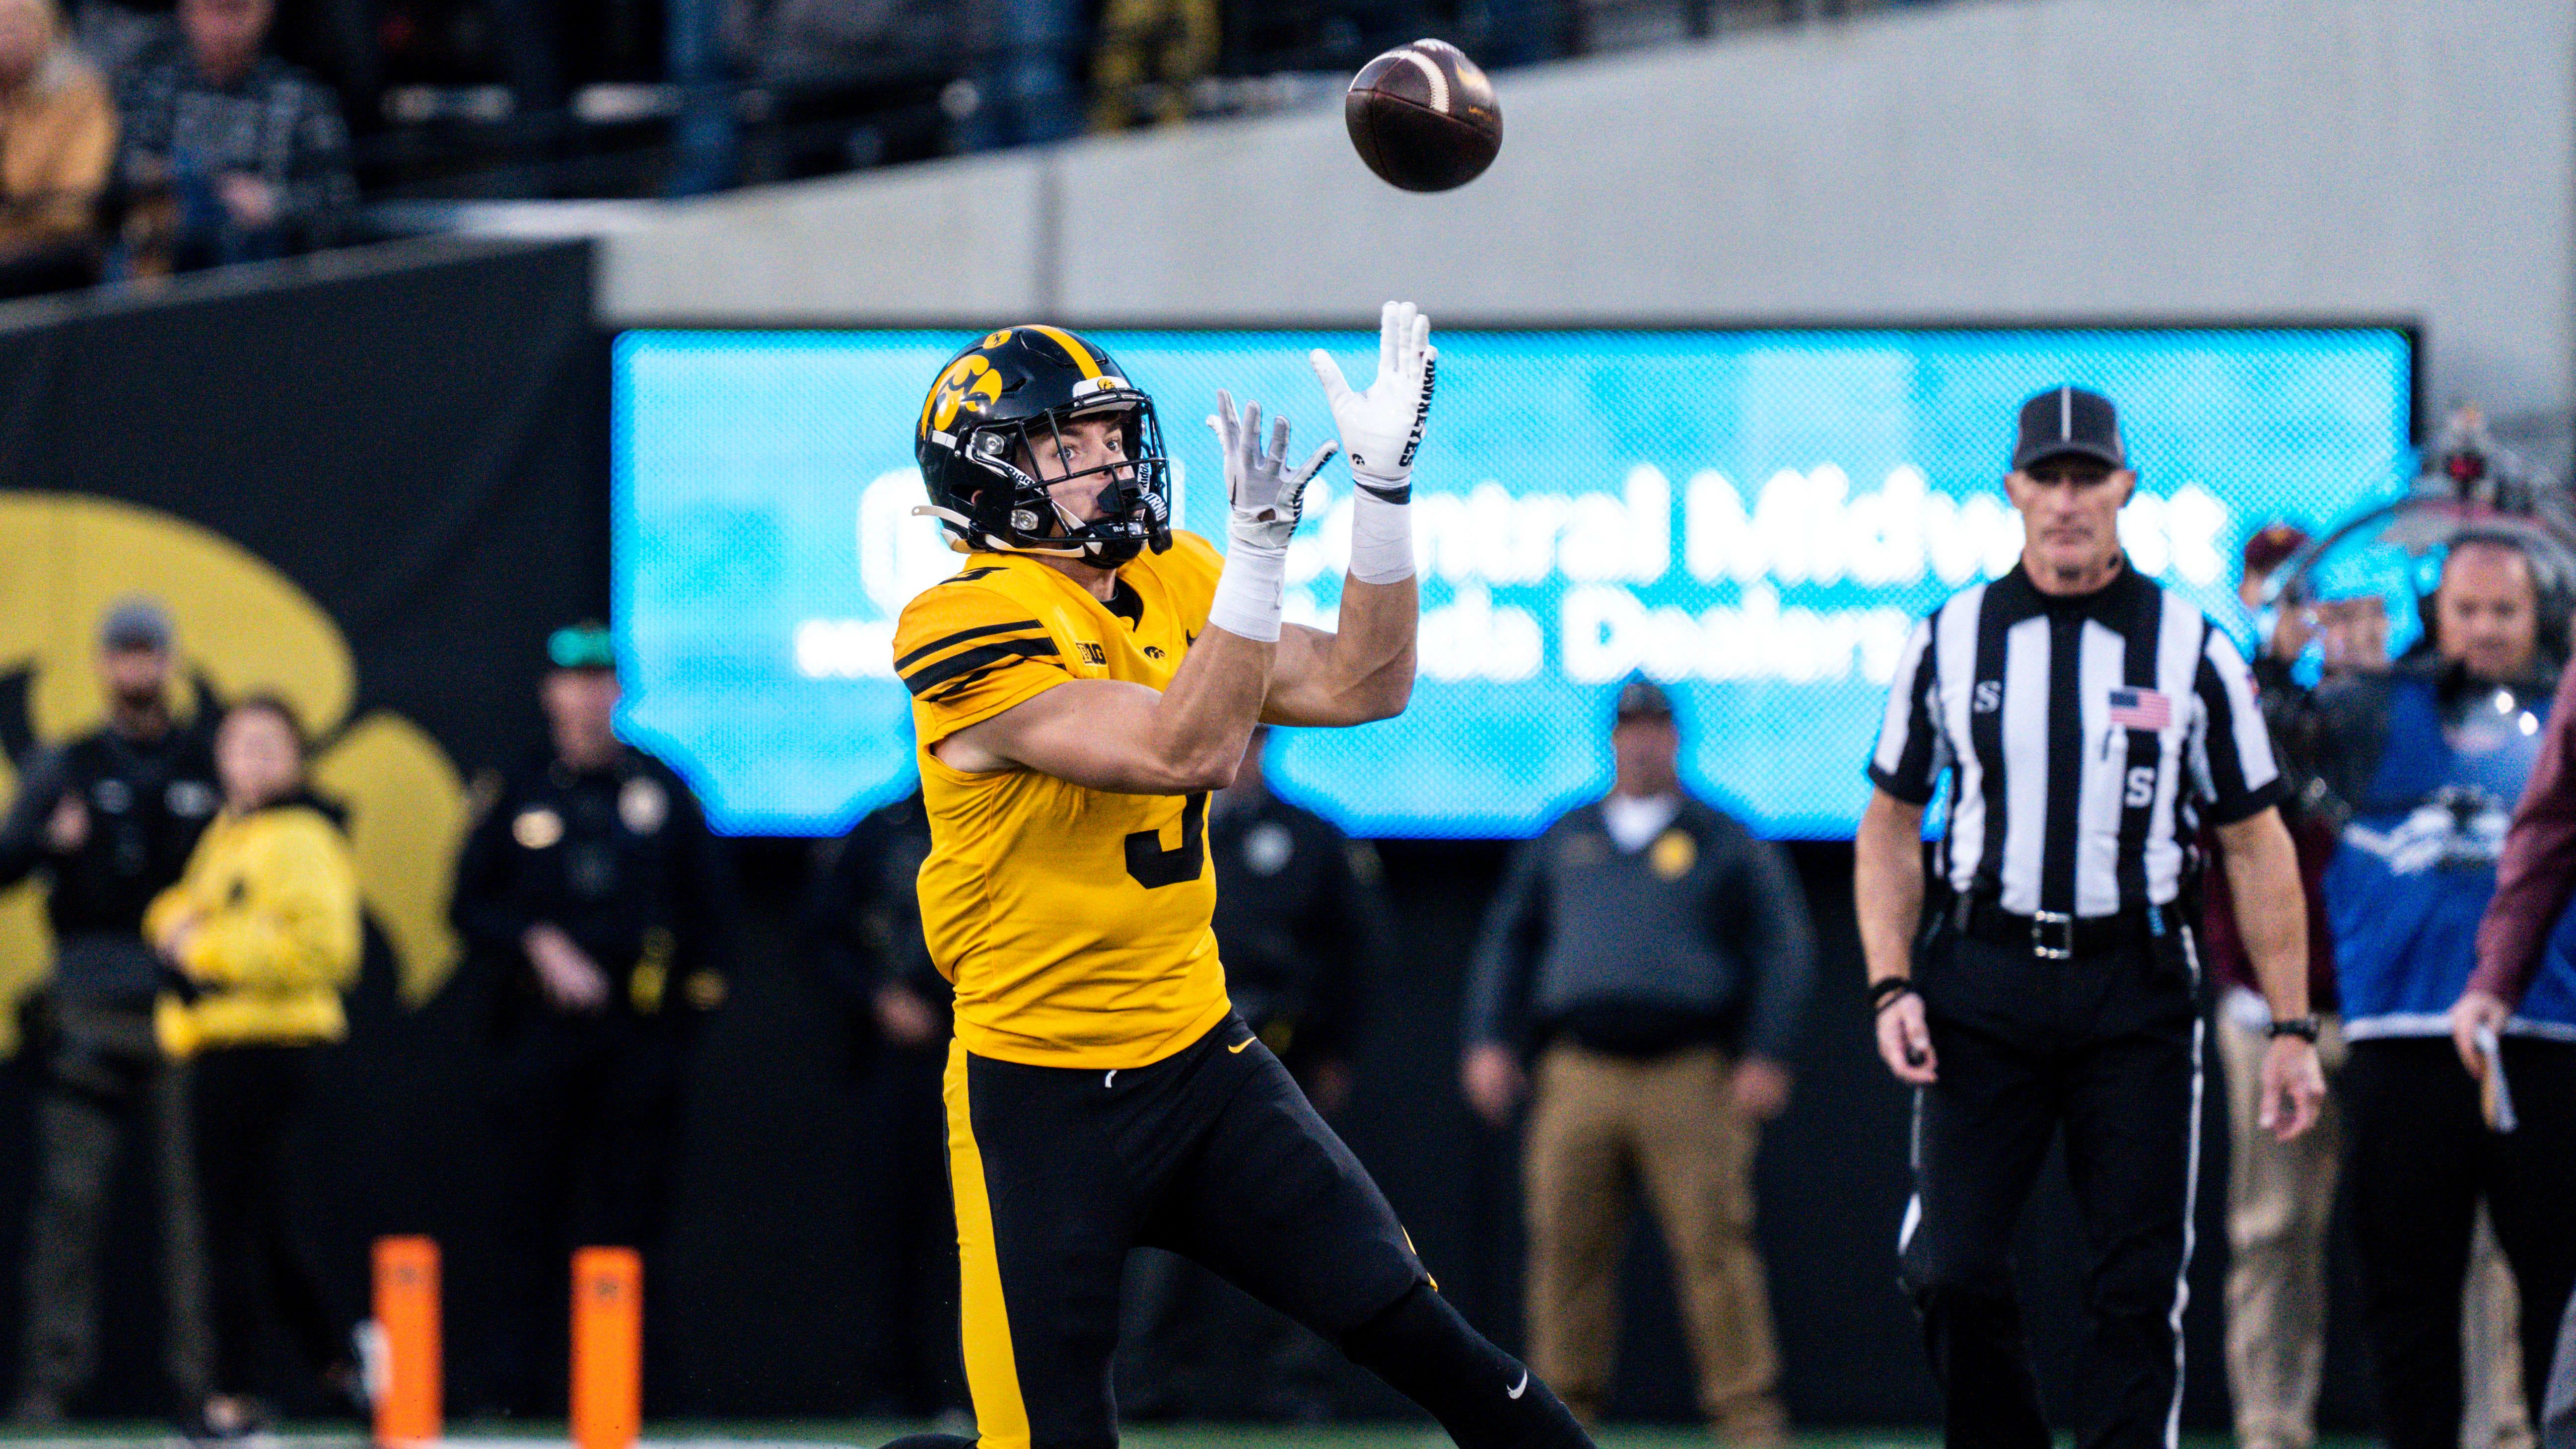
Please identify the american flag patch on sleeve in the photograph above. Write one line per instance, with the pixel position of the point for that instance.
(2140, 709)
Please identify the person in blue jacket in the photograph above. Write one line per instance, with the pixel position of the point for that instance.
(2429, 760)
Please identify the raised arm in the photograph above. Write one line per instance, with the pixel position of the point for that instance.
(1107, 734)
(1364, 669)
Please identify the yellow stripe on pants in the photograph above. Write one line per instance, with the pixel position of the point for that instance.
(984, 1319)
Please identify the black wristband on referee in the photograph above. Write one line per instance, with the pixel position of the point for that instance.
(1887, 989)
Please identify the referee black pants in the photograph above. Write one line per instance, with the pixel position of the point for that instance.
(2106, 1048)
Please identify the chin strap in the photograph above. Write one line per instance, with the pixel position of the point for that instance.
(962, 533)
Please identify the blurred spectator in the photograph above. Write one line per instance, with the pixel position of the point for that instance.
(57, 136)
(261, 936)
(2280, 1195)
(864, 919)
(1298, 924)
(1028, 54)
(110, 819)
(889, 74)
(597, 905)
(1149, 54)
(1658, 956)
(229, 154)
(822, 42)
(2353, 633)
(706, 135)
(2427, 758)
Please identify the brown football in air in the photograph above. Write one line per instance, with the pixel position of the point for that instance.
(1423, 116)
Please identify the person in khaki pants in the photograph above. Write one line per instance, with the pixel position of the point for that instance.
(1656, 956)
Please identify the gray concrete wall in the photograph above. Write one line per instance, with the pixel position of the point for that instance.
(2017, 160)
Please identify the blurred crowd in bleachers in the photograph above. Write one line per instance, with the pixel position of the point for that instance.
(159, 147)
(167, 135)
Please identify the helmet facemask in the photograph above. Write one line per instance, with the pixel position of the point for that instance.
(1133, 495)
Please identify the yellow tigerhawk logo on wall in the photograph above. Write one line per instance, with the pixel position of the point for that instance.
(241, 626)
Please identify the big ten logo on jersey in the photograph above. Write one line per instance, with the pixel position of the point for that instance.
(241, 625)
(1092, 654)
(1989, 696)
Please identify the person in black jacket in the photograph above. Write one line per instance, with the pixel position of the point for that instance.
(1299, 923)
(1656, 956)
(863, 922)
(109, 820)
(597, 905)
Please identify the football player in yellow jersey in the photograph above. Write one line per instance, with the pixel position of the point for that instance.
(1078, 688)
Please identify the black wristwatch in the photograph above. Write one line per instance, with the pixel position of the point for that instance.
(2302, 1027)
(1887, 989)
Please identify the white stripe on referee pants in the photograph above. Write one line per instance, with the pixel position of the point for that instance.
(2190, 1201)
(1914, 1199)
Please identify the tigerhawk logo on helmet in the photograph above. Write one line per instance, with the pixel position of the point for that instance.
(1003, 403)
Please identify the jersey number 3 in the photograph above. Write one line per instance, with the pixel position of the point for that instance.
(1154, 867)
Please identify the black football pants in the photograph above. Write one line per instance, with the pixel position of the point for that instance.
(2106, 1049)
(1212, 1153)
(2420, 1157)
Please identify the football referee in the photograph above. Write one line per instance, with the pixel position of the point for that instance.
(2088, 721)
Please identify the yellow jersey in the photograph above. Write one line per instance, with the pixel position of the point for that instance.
(1073, 922)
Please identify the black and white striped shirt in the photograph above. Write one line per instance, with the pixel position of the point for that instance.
(2088, 736)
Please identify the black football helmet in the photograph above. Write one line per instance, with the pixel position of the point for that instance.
(1000, 406)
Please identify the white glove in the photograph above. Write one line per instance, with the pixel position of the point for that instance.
(1266, 495)
(1381, 427)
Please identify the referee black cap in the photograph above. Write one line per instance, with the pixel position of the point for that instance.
(2069, 420)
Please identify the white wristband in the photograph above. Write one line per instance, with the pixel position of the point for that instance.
(1248, 591)
(1381, 539)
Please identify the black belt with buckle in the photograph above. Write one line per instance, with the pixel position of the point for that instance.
(2055, 936)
